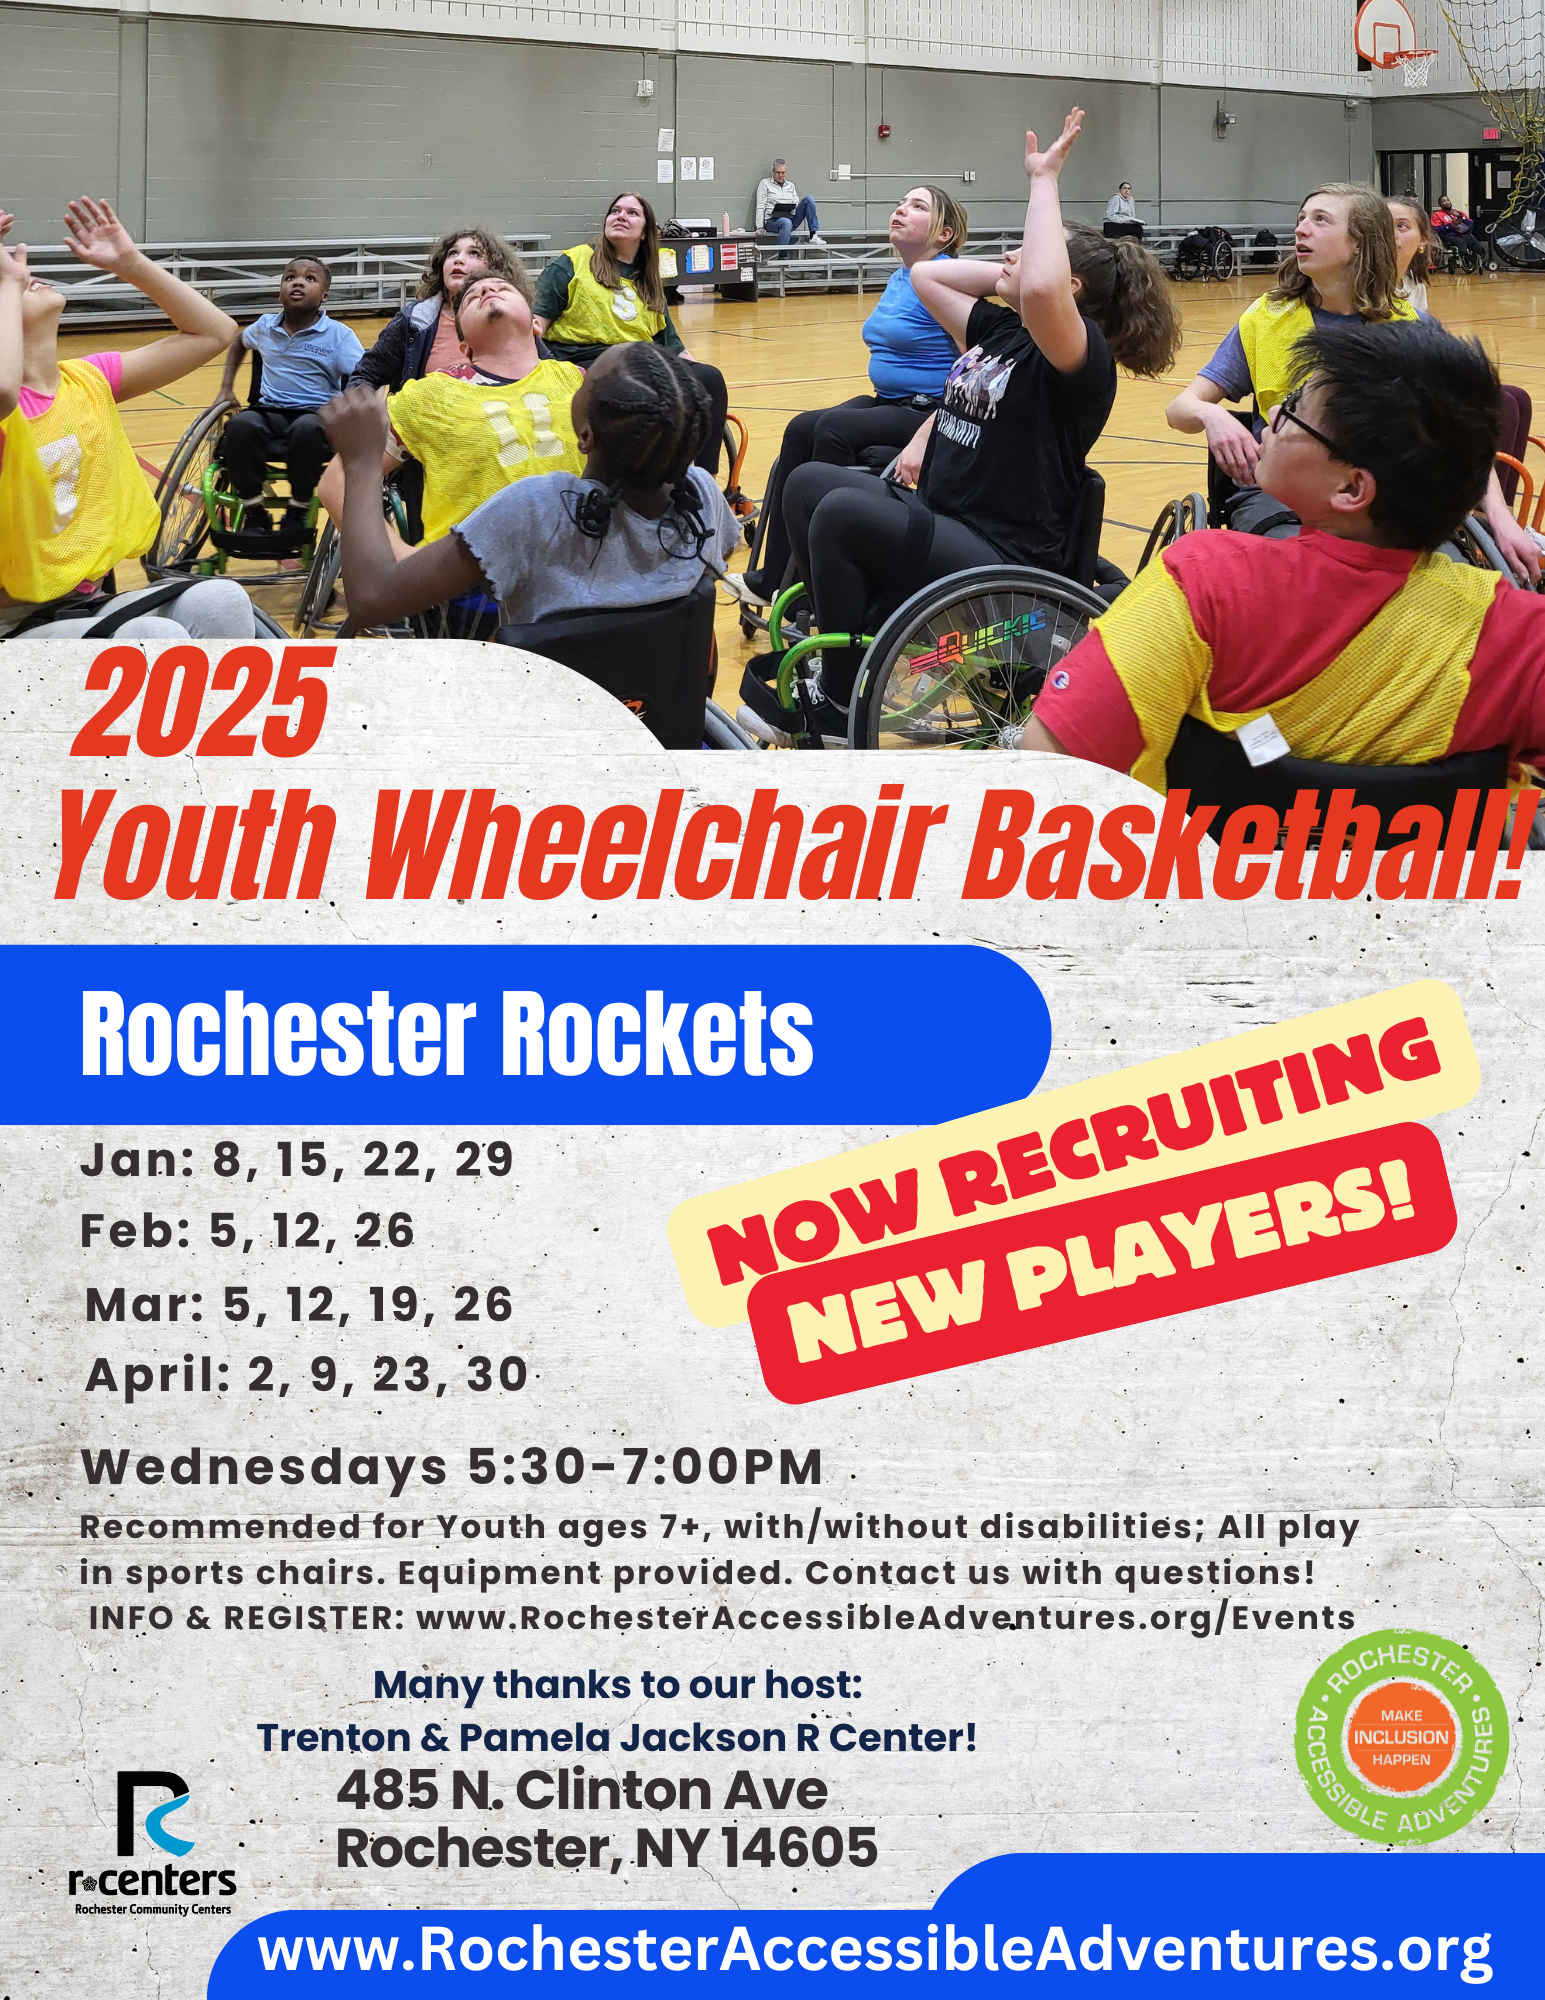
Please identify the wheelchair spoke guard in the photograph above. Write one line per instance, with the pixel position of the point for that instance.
(958, 666)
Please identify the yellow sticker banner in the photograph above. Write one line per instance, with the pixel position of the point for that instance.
(1398, 1055)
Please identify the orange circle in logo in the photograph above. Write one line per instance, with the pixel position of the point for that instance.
(1402, 1737)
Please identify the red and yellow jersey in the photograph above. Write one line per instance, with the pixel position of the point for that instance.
(1359, 655)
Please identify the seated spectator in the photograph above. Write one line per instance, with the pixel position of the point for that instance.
(73, 499)
(598, 294)
(781, 208)
(639, 526)
(510, 419)
(422, 338)
(306, 358)
(910, 357)
(1451, 222)
(1362, 644)
(1121, 214)
(1023, 407)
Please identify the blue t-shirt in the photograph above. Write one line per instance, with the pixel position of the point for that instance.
(910, 354)
(302, 370)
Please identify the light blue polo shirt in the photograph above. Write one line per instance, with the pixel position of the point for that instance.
(302, 370)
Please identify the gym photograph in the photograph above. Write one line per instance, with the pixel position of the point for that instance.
(1153, 390)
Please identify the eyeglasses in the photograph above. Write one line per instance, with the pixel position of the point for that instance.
(1286, 412)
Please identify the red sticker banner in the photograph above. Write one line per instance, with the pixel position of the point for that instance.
(994, 1288)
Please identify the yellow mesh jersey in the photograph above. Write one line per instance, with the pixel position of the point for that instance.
(474, 438)
(1269, 331)
(597, 316)
(73, 500)
(1391, 696)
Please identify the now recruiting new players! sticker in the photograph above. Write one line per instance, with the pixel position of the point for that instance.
(1401, 1737)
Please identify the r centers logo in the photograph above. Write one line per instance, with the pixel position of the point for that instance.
(1401, 1738)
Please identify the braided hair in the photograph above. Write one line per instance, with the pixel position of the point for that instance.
(650, 416)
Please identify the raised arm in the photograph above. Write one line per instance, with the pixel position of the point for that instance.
(1199, 407)
(13, 282)
(330, 494)
(1048, 305)
(233, 356)
(98, 238)
(377, 586)
(950, 286)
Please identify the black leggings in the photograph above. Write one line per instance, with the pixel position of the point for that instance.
(852, 547)
(829, 437)
(253, 437)
(711, 457)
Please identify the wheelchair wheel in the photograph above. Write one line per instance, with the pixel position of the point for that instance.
(321, 582)
(958, 665)
(180, 495)
(1474, 540)
(1223, 260)
(1180, 517)
(1161, 534)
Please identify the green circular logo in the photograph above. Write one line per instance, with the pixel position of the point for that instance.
(1401, 1738)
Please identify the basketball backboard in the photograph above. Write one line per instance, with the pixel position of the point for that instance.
(1385, 30)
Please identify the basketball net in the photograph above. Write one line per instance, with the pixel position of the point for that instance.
(1413, 65)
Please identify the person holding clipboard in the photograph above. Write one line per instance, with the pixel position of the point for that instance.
(781, 208)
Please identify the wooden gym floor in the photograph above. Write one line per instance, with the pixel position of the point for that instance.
(781, 356)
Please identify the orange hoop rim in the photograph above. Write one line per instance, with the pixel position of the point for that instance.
(1412, 63)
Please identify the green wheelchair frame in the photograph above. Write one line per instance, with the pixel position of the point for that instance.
(226, 513)
(793, 683)
(989, 617)
(197, 511)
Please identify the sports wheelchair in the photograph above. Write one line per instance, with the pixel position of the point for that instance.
(1214, 769)
(1463, 256)
(656, 659)
(1207, 253)
(204, 525)
(959, 664)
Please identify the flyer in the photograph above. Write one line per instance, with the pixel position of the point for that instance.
(626, 1365)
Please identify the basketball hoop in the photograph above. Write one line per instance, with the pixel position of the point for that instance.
(1385, 37)
(1413, 65)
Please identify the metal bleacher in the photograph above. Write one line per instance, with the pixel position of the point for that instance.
(861, 260)
(370, 274)
(378, 274)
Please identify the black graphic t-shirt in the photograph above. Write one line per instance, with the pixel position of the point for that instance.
(1011, 436)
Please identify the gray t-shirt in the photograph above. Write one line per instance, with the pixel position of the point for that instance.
(537, 562)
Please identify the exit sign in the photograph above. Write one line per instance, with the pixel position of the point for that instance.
(1491, 132)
